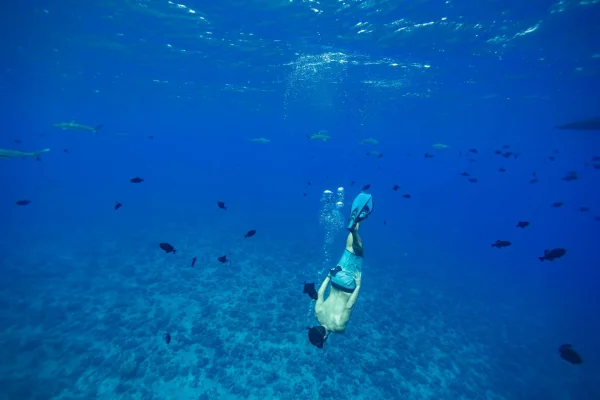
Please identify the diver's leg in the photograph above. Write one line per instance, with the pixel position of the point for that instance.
(343, 275)
(349, 278)
(354, 243)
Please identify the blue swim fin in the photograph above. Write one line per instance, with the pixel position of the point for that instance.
(362, 206)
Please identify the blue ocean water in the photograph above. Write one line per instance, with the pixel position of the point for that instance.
(182, 89)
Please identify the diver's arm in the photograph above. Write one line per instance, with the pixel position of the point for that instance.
(350, 305)
(321, 293)
(353, 297)
(322, 289)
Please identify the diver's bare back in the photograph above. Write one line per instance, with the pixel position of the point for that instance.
(331, 314)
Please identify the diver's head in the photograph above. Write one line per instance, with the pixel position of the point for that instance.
(317, 336)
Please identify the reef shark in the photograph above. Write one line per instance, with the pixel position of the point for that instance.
(259, 140)
(321, 135)
(592, 124)
(369, 140)
(374, 153)
(74, 126)
(4, 153)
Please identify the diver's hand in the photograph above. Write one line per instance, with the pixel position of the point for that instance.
(358, 278)
(334, 271)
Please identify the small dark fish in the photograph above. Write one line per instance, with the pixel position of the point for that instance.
(551, 158)
(473, 151)
(584, 209)
(309, 289)
(223, 259)
(569, 177)
(568, 354)
(557, 204)
(406, 196)
(23, 202)
(309, 183)
(193, 262)
(596, 158)
(534, 180)
(506, 146)
(596, 165)
(150, 137)
(553, 254)
(304, 194)
(501, 169)
(250, 233)
(118, 205)
(473, 180)
(167, 248)
(516, 155)
(472, 159)
(507, 154)
(352, 183)
(498, 152)
(137, 179)
(428, 155)
(18, 141)
(66, 151)
(221, 205)
(523, 224)
(380, 155)
(395, 188)
(167, 338)
(366, 187)
(465, 174)
(501, 243)
(384, 222)
(597, 218)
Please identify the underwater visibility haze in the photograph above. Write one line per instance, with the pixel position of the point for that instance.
(178, 180)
